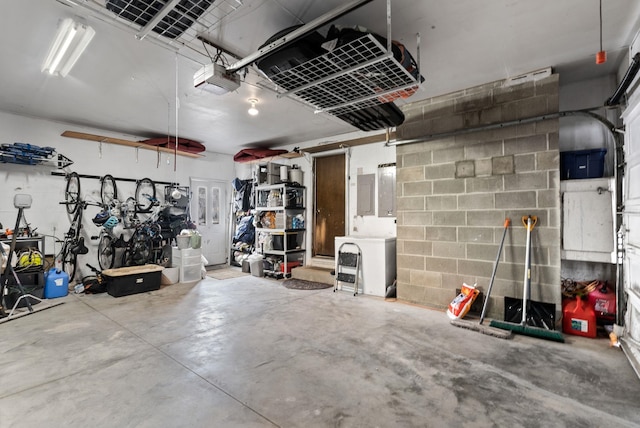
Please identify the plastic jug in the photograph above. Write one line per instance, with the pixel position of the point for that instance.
(56, 284)
(578, 318)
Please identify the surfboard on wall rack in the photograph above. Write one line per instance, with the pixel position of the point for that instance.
(129, 143)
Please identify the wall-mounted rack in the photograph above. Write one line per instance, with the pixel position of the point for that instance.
(122, 142)
(58, 161)
(30, 154)
(99, 177)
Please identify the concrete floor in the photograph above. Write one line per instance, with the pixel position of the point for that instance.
(248, 352)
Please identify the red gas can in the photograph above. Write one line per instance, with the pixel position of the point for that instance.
(578, 318)
(603, 302)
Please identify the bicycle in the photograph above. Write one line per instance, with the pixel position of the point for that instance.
(147, 244)
(113, 223)
(108, 242)
(73, 241)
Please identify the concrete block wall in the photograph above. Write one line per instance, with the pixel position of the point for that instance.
(454, 194)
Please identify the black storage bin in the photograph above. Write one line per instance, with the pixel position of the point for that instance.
(380, 116)
(132, 279)
(291, 55)
(582, 164)
(32, 282)
(278, 241)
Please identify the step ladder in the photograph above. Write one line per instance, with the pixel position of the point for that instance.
(348, 266)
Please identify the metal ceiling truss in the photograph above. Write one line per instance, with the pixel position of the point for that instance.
(166, 20)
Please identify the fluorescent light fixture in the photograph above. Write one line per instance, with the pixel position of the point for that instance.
(71, 40)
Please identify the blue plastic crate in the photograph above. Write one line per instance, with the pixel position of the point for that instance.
(582, 164)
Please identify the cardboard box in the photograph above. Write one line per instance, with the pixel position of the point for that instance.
(132, 279)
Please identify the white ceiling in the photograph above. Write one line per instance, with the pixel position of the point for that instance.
(128, 87)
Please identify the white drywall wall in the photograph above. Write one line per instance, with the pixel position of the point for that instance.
(360, 160)
(90, 158)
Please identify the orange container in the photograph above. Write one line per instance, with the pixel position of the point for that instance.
(578, 318)
(289, 266)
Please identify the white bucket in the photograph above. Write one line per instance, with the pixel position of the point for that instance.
(183, 241)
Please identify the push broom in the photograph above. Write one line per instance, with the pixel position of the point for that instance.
(523, 327)
(484, 329)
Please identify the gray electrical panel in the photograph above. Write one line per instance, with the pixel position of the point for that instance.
(387, 190)
(366, 194)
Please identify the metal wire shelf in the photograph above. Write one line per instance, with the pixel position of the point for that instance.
(354, 76)
(182, 25)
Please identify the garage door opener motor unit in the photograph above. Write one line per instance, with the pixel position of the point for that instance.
(214, 78)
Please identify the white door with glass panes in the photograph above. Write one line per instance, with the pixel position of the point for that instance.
(209, 213)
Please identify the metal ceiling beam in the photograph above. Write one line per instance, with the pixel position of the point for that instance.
(218, 47)
(156, 19)
(296, 34)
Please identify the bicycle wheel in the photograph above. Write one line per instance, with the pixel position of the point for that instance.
(72, 192)
(106, 252)
(145, 195)
(69, 260)
(108, 190)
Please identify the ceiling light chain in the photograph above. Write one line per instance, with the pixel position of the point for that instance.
(175, 193)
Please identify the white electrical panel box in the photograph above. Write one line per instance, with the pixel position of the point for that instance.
(588, 214)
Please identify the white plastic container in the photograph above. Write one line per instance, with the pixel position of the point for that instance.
(183, 241)
(188, 256)
(170, 275)
(190, 273)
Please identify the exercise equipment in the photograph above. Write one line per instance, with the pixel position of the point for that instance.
(21, 202)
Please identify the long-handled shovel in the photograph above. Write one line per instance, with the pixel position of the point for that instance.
(503, 334)
(507, 222)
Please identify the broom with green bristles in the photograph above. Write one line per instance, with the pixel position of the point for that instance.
(523, 327)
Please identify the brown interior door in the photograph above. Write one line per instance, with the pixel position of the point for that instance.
(329, 203)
